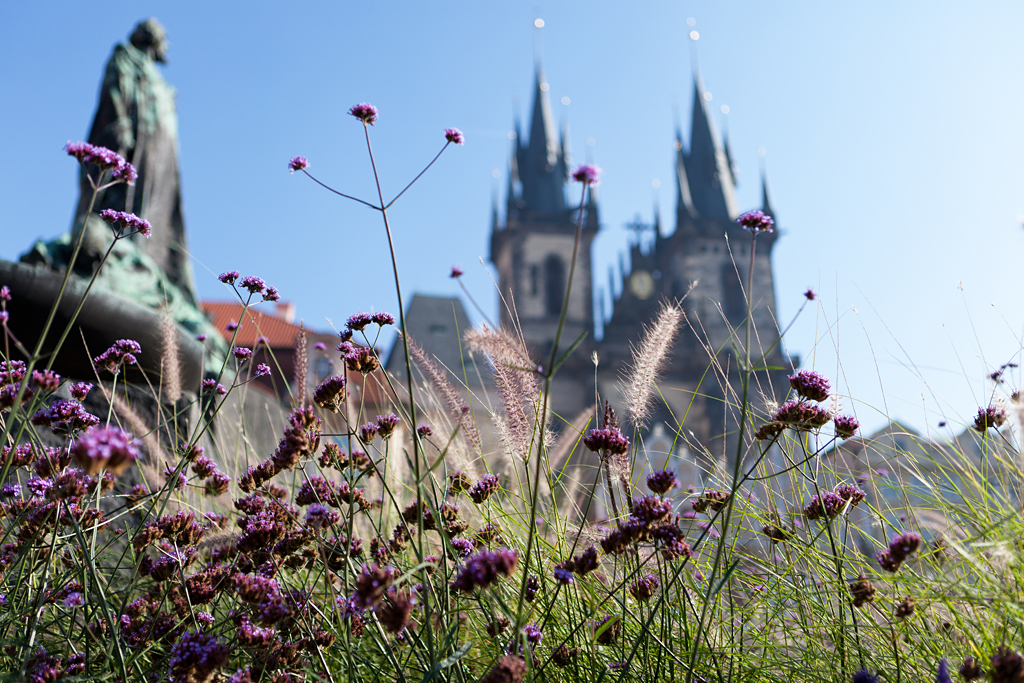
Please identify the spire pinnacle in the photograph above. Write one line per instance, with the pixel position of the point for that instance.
(541, 164)
(766, 195)
(707, 166)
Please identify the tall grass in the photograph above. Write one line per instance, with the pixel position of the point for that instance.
(437, 534)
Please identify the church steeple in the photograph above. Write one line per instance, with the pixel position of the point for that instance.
(684, 201)
(766, 196)
(706, 164)
(542, 166)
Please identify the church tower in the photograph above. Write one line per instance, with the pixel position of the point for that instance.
(533, 249)
(704, 265)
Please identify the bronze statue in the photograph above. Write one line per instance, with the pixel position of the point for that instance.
(137, 118)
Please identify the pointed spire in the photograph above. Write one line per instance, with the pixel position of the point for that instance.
(730, 164)
(566, 149)
(707, 167)
(657, 219)
(684, 200)
(541, 165)
(766, 196)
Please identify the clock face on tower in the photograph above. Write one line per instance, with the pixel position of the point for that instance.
(641, 284)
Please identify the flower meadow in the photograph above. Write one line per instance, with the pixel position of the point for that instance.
(394, 540)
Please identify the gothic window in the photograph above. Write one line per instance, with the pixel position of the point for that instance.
(534, 280)
(554, 284)
(733, 302)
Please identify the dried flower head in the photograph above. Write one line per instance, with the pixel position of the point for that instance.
(862, 590)
(331, 393)
(484, 488)
(456, 272)
(994, 416)
(643, 589)
(610, 441)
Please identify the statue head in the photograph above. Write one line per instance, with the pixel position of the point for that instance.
(150, 37)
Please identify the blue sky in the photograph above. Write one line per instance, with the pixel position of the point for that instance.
(891, 132)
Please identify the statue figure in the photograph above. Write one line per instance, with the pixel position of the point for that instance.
(137, 118)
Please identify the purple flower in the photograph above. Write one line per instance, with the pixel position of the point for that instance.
(330, 394)
(756, 221)
(321, 517)
(809, 384)
(588, 174)
(197, 657)
(532, 634)
(483, 568)
(563, 574)
(810, 295)
(993, 416)
(128, 221)
(359, 321)
(74, 599)
(65, 418)
(271, 294)
(254, 284)
(900, 549)
(370, 585)
(864, 676)
(361, 360)
(424, 430)
(532, 586)
(121, 353)
(241, 353)
(105, 159)
(79, 390)
(298, 164)
(645, 588)
(105, 448)
(367, 113)
(386, 425)
(231, 326)
(5, 293)
(464, 546)
(610, 440)
(200, 337)
(320, 346)
(711, 498)
(368, 432)
(393, 613)
(456, 271)
(454, 135)
(484, 488)
(47, 380)
(262, 370)
(846, 426)
(662, 482)
(942, 675)
(383, 318)
(229, 277)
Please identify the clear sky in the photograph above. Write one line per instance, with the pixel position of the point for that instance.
(892, 137)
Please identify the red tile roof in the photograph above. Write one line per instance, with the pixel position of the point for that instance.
(279, 332)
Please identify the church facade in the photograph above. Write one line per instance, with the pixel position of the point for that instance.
(702, 266)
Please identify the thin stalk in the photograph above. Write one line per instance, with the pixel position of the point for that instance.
(548, 375)
(409, 376)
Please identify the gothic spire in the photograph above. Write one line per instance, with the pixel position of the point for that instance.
(541, 164)
(684, 201)
(766, 196)
(707, 167)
